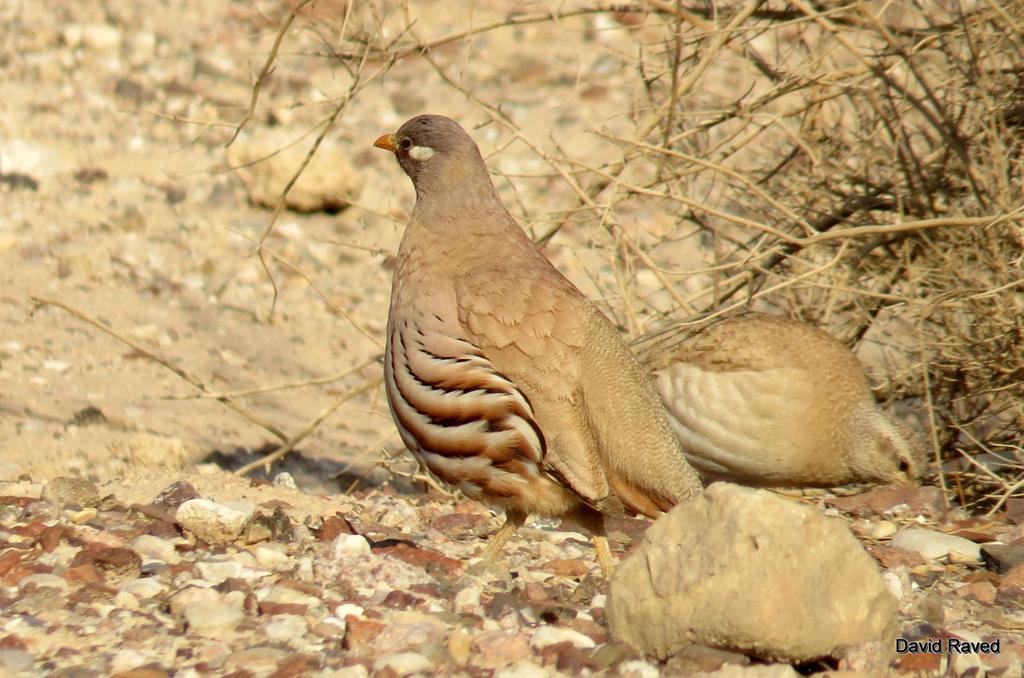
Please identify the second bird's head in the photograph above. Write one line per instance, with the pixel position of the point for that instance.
(432, 145)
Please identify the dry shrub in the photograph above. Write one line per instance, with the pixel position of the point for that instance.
(876, 155)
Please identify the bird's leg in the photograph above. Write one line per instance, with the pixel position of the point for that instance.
(594, 522)
(513, 521)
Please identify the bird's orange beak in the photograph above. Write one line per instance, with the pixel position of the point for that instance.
(387, 142)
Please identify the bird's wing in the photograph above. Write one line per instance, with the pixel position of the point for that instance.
(526, 323)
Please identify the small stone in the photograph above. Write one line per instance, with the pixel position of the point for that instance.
(285, 627)
(637, 668)
(126, 600)
(43, 580)
(210, 617)
(267, 163)
(404, 663)
(552, 635)
(350, 546)
(116, 562)
(215, 523)
(345, 609)
(467, 600)
(189, 595)
(217, 571)
(459, 646)
(499, 648)
(1015, 510)
(155, 548)
(100, 37)
(933, 545)
(566, 567)
(283, 594)
(981, 591)
(71, 492)
(285, 481)
(174, 495)
(144, 588)
(14, 660)
(273, 559)
(883, 529)
(260, 661)
(1002, 558)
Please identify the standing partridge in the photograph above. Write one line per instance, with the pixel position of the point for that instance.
(501, 376)
(762, 400)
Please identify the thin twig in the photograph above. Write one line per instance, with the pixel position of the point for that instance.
(195, 381)
(290, 444)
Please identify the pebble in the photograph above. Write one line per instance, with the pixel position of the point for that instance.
(1002, 558)
(71, 492)
(126, 600)
(467, 600)
(346, 609)
(636, 668)
(213, 522)
(13, 659)
(145, 587)
(189, 595)
(283, 594)
(285, 627)
(216, 571)
(126, 660)
(934, 545)
(882, 530)
(285, 481)
(350, 546)
(404, 663)
(524, 669)
(99, 37)
(260, 661)
(209, 617)
(551, 635)
(43, 580)
(273, 558)
(155, 548)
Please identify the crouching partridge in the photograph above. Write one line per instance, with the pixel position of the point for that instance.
(501, 376)
(763, 400)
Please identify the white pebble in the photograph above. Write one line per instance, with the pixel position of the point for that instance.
(346, 609)
(272, 558)
(934, 545)
(155, 548)
(350, 546)
(215, 523)
(637, 668)
(286, 481)
(551, 635)
(285, 627)
(467, 600)
(126, 600)
(126, 660)
(210, 617)
(146, 587)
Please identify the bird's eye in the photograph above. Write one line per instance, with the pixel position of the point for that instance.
(405, 143)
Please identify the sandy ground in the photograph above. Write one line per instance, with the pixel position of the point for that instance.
(133, 216)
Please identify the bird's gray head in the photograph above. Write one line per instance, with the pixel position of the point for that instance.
(433, 147)
(888, 451)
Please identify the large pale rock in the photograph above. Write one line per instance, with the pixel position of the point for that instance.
(742, 569)
(267, 161)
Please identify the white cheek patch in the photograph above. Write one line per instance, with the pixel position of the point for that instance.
(421, 152)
